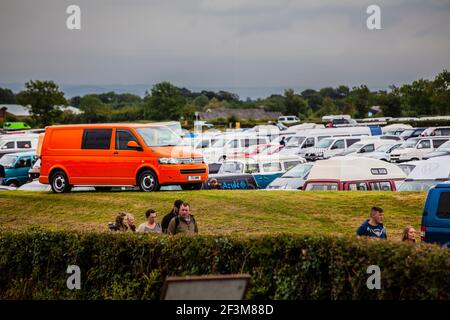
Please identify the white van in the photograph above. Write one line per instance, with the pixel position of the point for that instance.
(230, 144)
(416, 148)
(365, 146)
(302, 141)
(288, 119)
(329, 147)
(12, 143)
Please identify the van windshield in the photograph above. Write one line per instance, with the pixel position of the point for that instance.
(8, 161)
(408, 144)
(325, 143)
(159, 137)
(299, 171)
(294, 142)
(384, 148)
(445, 147)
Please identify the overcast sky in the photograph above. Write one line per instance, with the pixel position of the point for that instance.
(224, 43)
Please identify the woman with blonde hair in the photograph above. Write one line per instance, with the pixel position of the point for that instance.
(409, 234)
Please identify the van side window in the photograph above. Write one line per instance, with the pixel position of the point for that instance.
(9, 145)
(425, 144)
(444, 206)
(99, 139)
(24, 144)
(339, 144)
(438, 143)
(122, 139)
(357, 186)
(368, 148)
(308, 143)
(380, 186)
(351, 141)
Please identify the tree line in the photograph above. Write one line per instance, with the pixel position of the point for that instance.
(165, 101)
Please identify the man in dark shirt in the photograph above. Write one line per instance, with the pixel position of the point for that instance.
(373, 227)
(172, 214)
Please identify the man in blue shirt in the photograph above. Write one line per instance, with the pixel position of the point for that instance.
(373, 227)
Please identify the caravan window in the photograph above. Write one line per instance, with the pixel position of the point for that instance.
(252, 168)
(231, 167)
(381, 186)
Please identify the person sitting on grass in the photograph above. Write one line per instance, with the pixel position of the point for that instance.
(172, 214)
(150, 225)
(184, 222)
(409, 234)
(124, 222)
(373, 227)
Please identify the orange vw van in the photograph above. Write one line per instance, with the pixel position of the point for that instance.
(106, 155)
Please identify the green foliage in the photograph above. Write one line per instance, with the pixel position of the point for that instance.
(7, 96)
(42, 97)
(94, 110)
(164, 102)
(133, 266)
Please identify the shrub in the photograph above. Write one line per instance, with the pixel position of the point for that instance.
(133, 266)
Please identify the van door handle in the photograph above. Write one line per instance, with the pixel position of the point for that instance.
(116, 152)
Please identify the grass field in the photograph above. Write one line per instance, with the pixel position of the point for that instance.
(217, 212)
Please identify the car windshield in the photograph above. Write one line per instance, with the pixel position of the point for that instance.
(325, 143)
(232, 167)
(445, 147)
(294, 142)
(417, 185)
(159, 137)
(8, 161)
(408, 144)
(355, 147)
(406, 133)
(299, 171)
(384, 148)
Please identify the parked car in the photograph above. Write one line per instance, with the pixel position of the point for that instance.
(436, 216)
(443, 150)
(416, 148)
(427, 174)
(354, 173)
(364, 147)
(106, 155)
(16, 167)
(383, 152)
(293, 179)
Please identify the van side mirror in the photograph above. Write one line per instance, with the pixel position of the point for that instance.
(362, 151)
(134, 145)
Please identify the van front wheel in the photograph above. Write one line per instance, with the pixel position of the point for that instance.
(148, 181)
(59, 182)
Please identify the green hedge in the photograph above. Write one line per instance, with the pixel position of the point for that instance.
(133, 266)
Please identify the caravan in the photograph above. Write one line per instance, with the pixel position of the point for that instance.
(352, 173)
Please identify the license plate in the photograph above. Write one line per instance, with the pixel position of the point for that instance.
(193, 178)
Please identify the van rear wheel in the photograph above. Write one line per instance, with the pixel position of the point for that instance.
(60, 183)
(148, 181)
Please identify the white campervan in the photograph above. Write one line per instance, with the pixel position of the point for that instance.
(302, 141)
(329, 147)
(416, 148)
(365, 146)
(12, 143)
(230, 144)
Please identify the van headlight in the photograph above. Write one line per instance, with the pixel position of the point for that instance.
(169, 161)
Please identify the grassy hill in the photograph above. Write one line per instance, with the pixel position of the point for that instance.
(217, 212)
